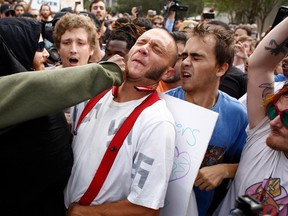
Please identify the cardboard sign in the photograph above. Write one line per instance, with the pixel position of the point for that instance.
(57, 5)
(194, 127)
(54, 4)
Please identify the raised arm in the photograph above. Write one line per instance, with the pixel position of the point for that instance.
(262, 62)
(29, 95)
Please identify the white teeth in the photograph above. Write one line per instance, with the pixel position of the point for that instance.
(185, 74)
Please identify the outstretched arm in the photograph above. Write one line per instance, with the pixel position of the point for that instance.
(29, 95)
(270, 51)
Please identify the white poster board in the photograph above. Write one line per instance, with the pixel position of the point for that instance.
(54, 4)
(194, 127)
(57, 5)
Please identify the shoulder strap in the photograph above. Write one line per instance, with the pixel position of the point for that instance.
(91, 103)
(112, 150)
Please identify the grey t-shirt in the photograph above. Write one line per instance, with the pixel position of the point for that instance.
(262, 173)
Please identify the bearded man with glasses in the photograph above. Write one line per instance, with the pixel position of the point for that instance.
(263, 168)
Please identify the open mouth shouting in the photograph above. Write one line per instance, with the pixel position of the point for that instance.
(73, 61)
(185, 75)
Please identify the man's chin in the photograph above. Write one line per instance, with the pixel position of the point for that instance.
(276, 143)
(271, 141)
(100, 18)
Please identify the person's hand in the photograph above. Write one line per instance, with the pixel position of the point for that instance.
(134, 11)
(240, 51)
(210, 177)
(119, 60)
(73, 210)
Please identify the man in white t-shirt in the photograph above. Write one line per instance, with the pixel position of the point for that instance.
(138, 179)
(263, 168)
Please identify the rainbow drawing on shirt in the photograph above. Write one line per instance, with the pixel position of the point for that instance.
(213, 155)
(272, 195)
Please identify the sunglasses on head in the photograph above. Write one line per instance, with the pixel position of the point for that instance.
(40, 46)
(273, 111)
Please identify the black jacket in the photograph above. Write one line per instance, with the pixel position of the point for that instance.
(234, 83)
(36, 156)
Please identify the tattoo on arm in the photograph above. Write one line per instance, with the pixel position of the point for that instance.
(276, 48)
(268, 89)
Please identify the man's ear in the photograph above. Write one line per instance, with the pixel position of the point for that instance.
(222, 70)
(168, 73)
(91, 52)
(98, 35)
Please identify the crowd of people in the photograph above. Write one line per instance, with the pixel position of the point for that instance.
(84, 131)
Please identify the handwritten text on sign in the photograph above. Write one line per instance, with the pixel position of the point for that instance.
(194, 127)
(54, 4)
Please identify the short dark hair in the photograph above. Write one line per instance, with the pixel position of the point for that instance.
(143, 22)
(28, 15)
(93, 17)
(128, 32)
(219, 23)
(19, 5)
(246, 28)
(4, 7)
(179, 37)
(93, 2)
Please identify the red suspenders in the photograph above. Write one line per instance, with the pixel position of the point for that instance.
(114, 146)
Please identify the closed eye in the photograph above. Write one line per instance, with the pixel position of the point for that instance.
(184, 56)
(66, 42)
(157, 49)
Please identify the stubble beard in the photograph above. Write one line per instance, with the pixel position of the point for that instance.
(277, 142)
(156, 74)
(173, 79)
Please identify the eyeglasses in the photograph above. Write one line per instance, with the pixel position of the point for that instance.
(40, 46)
(272, 111)
(157, 23)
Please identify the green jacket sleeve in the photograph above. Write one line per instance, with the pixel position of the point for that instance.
(29, 95)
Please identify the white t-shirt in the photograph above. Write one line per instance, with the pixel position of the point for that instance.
(143, 165)
(75, 112)
(262, 173)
